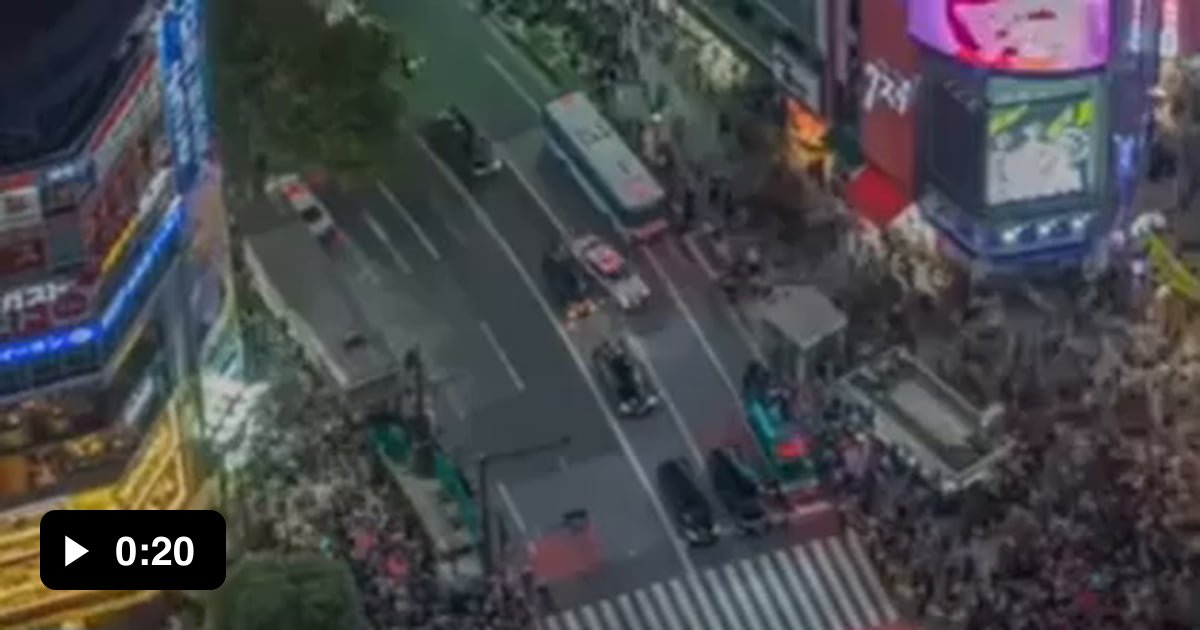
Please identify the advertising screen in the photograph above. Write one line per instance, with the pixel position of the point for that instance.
(1016, 35)
(1041, 149)
(889, 91)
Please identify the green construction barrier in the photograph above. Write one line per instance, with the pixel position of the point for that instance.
(393, 442)
(454, 484)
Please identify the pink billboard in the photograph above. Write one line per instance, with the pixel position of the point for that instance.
(1016, 35)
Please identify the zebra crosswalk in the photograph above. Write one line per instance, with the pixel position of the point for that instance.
(821, 584)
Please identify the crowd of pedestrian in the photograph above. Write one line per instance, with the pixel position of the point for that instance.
(1075, 529)
(314, 486)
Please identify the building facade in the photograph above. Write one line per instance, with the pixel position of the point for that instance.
(114, 277)
(1013, 128)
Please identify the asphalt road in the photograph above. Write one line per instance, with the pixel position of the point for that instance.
(451, 263)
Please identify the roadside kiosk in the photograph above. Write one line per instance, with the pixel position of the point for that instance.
(801, 333)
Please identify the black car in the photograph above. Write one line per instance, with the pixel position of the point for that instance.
(738, 490)
(624, 377)
(687, 504)
(568, 283)
(476, 149)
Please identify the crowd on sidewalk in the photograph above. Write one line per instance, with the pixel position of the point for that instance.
(1072, 533)
(315, 486)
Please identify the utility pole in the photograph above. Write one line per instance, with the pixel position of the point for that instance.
(416, 415)
(483, 467)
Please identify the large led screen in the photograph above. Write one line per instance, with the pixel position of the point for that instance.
(1041, 149)
(1016, 35)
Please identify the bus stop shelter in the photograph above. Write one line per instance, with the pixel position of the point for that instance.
(800, 330)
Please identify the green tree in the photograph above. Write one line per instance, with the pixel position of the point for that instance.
(292, 89)
(269, 593)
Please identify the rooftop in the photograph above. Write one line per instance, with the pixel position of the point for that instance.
(802, 313)
(926, 417)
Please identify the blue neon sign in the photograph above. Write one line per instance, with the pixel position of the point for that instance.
(180, 41)
(91, 332)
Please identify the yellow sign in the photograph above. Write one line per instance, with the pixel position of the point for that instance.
(1171, 271)
(119, 246)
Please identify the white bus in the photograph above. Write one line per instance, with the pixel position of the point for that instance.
(605, 167)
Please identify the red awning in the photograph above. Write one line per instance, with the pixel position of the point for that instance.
(876, 197)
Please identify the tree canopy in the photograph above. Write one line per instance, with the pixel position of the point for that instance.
(269, 593)
(294, 89)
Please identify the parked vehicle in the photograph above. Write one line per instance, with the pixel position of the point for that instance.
(739, 491)
(687, 504)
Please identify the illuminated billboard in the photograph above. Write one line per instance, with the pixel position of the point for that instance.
(1041, 149)
(1016, 35)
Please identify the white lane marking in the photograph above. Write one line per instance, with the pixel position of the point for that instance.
(455, 232)
(775, 13)
(832, 576)
(426, 242)
(758, 591)
(781, 597)
(532, 70)
(388, 244)
(737, 587)
(565, 232)
(511, 506)
(693, 323)
(868, 571)
(571, 621)
(559, 225)
(512, 82)
(689, 242)
(610, 614)
(685, 604)
(672, 409)
(800, 595)
(627, 609)
(552, 623)
(727, 609)
(664, 604)
(647, 608)
(824, 601)
(735, 319)
(837, 549)
(518, 382)
(711, 617)
(601, 401)
(590, 618)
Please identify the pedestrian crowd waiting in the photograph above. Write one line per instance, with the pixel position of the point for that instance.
(318, 488)
(1084, 523)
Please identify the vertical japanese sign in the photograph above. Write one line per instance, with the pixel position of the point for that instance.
(889, 91)
(181, 61)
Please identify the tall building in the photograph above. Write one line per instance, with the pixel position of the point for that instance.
(114, 282)
(1013, 128)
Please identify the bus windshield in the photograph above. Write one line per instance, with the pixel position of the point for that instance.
(604, 165)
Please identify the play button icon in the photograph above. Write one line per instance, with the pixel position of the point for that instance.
(72, 551)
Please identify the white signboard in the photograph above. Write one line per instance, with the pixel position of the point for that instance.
(796, 77)
(20, 208)
(887, 88)
(21, 298)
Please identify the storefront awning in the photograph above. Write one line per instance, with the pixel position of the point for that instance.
(875, 197)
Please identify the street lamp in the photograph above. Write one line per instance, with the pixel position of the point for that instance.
(483, 464)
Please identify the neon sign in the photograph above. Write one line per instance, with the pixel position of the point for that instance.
(87, 333)
(1016, 35)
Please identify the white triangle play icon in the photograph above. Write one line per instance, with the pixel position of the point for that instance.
(72, 552)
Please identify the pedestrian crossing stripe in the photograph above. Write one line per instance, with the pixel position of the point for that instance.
(821, 584)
